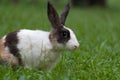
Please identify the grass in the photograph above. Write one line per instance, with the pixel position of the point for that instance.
(97, 31)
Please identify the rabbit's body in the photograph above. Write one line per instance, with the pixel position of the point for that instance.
(34, 48)
(37, 48)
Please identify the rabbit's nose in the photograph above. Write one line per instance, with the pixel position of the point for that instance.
(75, 46)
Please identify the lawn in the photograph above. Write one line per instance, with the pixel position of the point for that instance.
(98, 32)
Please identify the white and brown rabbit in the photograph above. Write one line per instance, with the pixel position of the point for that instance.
(37, 48)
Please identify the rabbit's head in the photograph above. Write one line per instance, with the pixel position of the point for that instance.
(61, 36)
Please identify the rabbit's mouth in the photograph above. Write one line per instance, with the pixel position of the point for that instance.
(74, 48)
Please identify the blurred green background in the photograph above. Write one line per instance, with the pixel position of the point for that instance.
(97, 29)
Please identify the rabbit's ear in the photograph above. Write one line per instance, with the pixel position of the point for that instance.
(53, 16)
(65, 13)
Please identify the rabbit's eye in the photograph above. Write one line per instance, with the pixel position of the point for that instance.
(65, 34)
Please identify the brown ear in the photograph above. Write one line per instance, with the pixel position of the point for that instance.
(53, 16)
(65, 13)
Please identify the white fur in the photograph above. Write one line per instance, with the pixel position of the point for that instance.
(33, 46)
(36, 50)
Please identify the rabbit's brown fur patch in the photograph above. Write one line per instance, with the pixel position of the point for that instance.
(6, 56)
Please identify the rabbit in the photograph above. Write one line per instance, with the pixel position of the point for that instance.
(36, 48)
